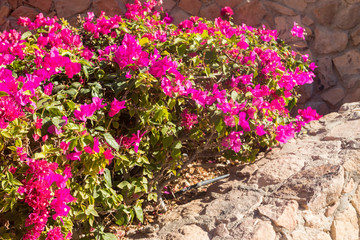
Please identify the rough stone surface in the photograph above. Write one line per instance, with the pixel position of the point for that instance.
(251, 13)
(298, 5)
(325, 13)
(327, 41)
(110, 7)
(318, 200)
(230, 3)
(66, 8)
(169, 5)
(355, 36)
(325, 73)
(333, 95)
(43, 5)
(306, 92)
(348, 63)
(13, 3)
(4, 12)
(25, 11)
(210, 12)
(345, 225)
(353, 96)
(190, 6)
(283, 214)
(179, 15)
(280, 8)
(348, 17)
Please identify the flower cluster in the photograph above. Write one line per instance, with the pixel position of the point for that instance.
(40, 194)
(119, 99)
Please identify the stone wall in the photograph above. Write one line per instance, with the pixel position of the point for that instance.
(306, 189)
(333, 28)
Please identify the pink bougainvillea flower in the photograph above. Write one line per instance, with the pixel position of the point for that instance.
(188, 120)
(35, 137)
(45, 137)
(54, 234)
(136, 139)
(243, 122)
(168, 19)
(72, 68)
(74, 156)
(260, 130)
(88, 150)
(233, 141)
(3, 124)
(229, 121)
(65, 119)
(54, 131)
(312, 66)
(48, 89)
(226, 12)
(108, 155)
(307, 115)
(38, 123)
(305, 57)
(298, 31)
(97, 103)
(116, 106)
(86, 110)
(12, 169)
(284, 133)
(20, 152)
(96, 145)
(64, 146)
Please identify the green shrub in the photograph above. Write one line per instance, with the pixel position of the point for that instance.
(97, 119)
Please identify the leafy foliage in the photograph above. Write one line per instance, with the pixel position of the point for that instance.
(97, 119)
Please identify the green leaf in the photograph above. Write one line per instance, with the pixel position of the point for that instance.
(139, 213)
(220, 125)
(152, 196)
(177, 145)
(181, 49)
(72, 92)
(109, 236)
(39, 155)
(111, 141)
(107, 177)
(167, 141)
(2, 94)
(91, 211)
(143, 41)
(25, 35)
(124, 184)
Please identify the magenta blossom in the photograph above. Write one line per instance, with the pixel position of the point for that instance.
(72, 68)
(284, 133)
(298, 31)
(116, 106)
(308, 115)
(136, 139)
(260, 130)
(108, 155)
(38, 123)
(233, 141)
(64, 146)
(188, 120)
(74, 156)
(226, 12)
(48, 89)
(54, 130)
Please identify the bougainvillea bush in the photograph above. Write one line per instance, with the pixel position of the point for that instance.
(95, 120)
